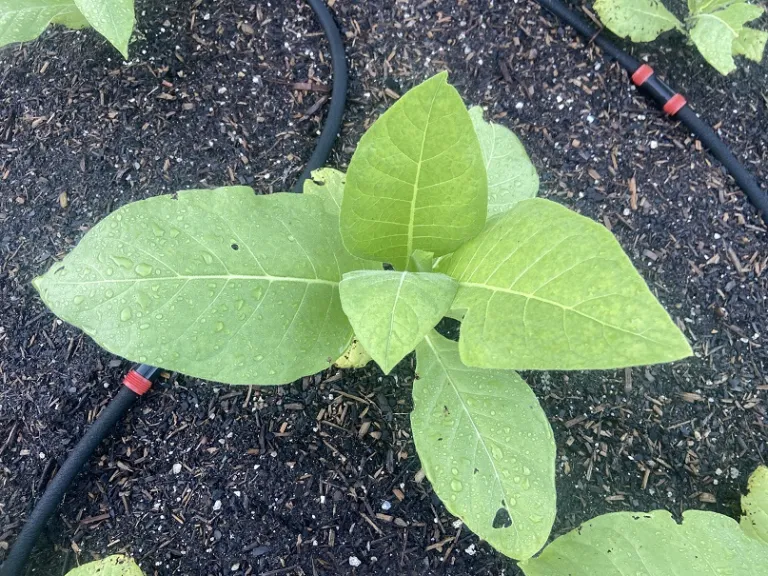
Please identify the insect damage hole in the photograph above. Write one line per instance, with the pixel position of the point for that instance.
(502, 519)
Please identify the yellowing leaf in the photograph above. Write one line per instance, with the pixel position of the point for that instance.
(116, 565)
(219, 284)
(391, 312)
(754, 520)
(624, 543)
(486, 447)
(511, 175)
(417, 179)
(638, 20)
(750, 44)
(547, 289)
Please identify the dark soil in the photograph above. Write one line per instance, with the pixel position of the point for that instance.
(206, 479)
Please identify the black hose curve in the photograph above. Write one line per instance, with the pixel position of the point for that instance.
(338, 93)
(119, 405)
(53, 494)
(659, 92)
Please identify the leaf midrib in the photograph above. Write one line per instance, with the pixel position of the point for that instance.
(412, 216)
(206, 277)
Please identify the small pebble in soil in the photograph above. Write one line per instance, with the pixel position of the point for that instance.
(217, 505)
(471, 550)
(177, 468)
(386, 505)
(354, 561)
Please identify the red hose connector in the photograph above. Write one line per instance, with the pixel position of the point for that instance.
(136, 382)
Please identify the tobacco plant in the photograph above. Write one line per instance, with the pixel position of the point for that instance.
(716, 27)
(242, 288)
(24, 20)
(116, 565)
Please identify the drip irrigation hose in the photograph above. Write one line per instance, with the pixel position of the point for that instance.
(673, 103)
(139, 380)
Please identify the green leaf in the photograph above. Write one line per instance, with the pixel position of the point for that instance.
(113, 19)
(416, 180)
(116, 565)
(24, 20)
(751, 44)
(486, 445)
(638, 20)
(354, 356)
(392, 311)
(754, 521)
(219, 284)
(547, 289)
(421, 261)
(329, 185)
(624, 543)
(511, 175)
(695, 7)
(714, 33)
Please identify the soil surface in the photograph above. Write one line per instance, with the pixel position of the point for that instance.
(318, 476)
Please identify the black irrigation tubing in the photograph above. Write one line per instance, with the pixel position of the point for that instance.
(669, 100)
(140, 379)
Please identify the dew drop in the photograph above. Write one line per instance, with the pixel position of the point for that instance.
(158, 316)
(526, 471)
(157, 230)
(207, 257)
(122, 261)
(126, 314)
(79, 300)
(174, 232)
(454, 471)
(258, 293)
(497, 453)
(143, 326)
(143, 269)
(219, 326)
(109, 293)
(259, 358)
(456, 486)
(291, 238)
(271, 372)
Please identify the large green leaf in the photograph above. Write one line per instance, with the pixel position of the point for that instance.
(329, 185)
(714, 33)
(392, 311)
(547, 289)
(486, 446)
(638, 20)
(416, 180)
(220, 284)
(23, 20)
(636, 544)
(116, 565)
(750, 44)
(754, 521)
(511, 175)
(113, 19)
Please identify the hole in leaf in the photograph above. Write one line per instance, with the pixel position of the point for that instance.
(502, 519)
(235, 247)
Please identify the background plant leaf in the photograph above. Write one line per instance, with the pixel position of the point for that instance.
(511, 175)
(486, 446)
(391, 312)
(116, 565)
(24, 20)
(113, 19)
(547, 289)
(754, 505)
(219, 284)
(638, 20)
(417, 179)
(715, 32)
(750, 44)
(622, 543)
(329, 185)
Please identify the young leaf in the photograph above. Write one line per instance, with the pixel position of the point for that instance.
(486, 447)
(113, 19)
(754, 521)
(547, 289)
(416, 180)
(392, 311)
(638, 20)
(511, 175)
(116, 565)
(714, 33)
(623, 543)
(23, 20)
(750, 44)
(219, 284)
(329, 185)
